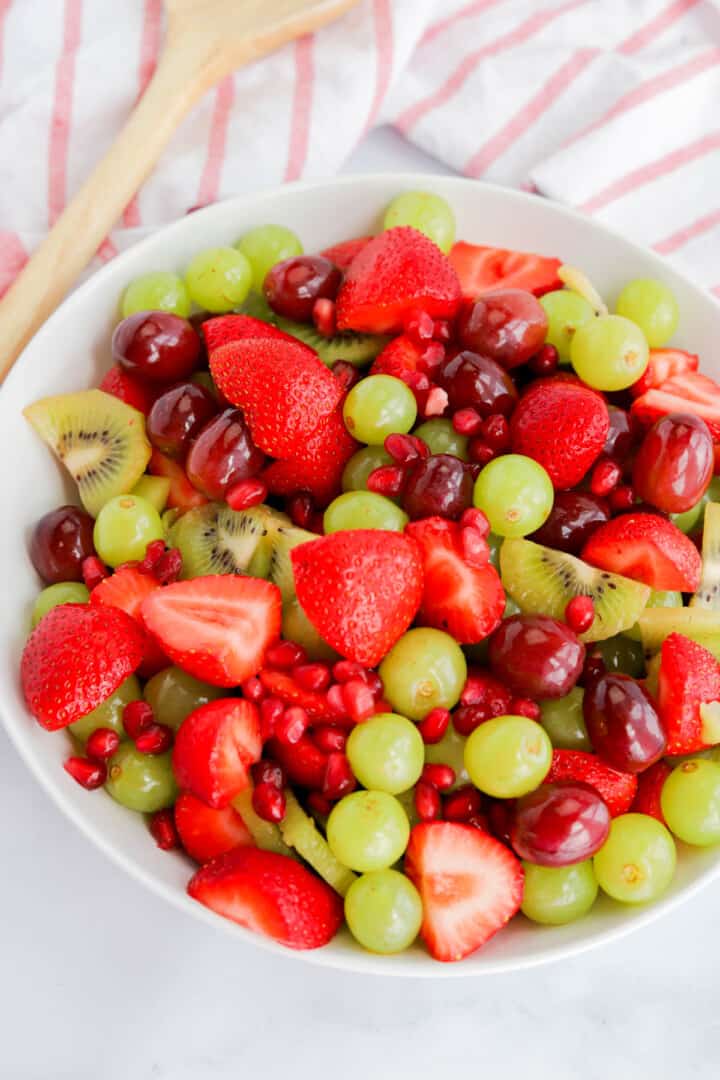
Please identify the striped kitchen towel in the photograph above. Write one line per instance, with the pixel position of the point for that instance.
(607, 105)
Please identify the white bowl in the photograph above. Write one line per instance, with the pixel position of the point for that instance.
(71, 352)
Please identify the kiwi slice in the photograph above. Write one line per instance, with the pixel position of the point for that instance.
(708, 594)
(696, 623)
(297, 627)
(280, 571)
(541, 581)
(213, 539)
(300, 832)
(356, 349)
(266, 835)
(99, 439)
(257, 307)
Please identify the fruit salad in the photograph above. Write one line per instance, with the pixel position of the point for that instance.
(391, 597)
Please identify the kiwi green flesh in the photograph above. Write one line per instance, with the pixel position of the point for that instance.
(214, 539)
(708, 594)
(356, 349)
(99, 439)
(280, 572)
(541, 581)
(696, 623)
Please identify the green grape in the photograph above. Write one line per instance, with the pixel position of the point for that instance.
(653, 307)
(427, 213)
(690, 801)
(386, 753)
(658, 599)
(110, 713)
(515, 493)
(142, 782)
(63, 592)
(637, 861)
(555, 895)
(266, 245)
(424, 670)
(154, 489)
(361, 464)
(508, 756)
(383, 911)
(157, 291)
(563, 720)
(297, 627)
(694, 518)
(363, 510)
(622, 654)
(450, 751)
(378, 406)
(368, 830)
(566, 312)
(442, 438)
(495, 543)
(609, 353)
(173, 694)
(124, 528)
(218, 279)
(511, 608)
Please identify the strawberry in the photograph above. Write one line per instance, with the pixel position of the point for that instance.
(471, 885)
(647, 548)
(688, 392)
(216, 628)
(562, 425)
(319, 468)
(360, 589)
(270, 894)
(126, 589)
(281, 685)
(662, 365)
(396, 275)
(616, 788)
(227, 329)
(463, 597)
(343, 254)
(182, 496)
(283, 387)
(482, 269)
(650, 785)
(688, 695)
(205, 832)
(130, 389)
(214, 748)
(399, 357)
(75, 658)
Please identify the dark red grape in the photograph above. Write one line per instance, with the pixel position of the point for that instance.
(536, 656)
(223, 454)
(439, 485)
(674, 464)
(559, 824)
(622, 723)
(573, 519)
(157, 346)
(177, 417)
(292, 287)
(620, 436)
(473, 381)
(508, 325)
(60, 541)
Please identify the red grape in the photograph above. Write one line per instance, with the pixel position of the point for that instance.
(508, 325)
(177, 417)
(292, 287)
(156, 345)
(223, 454)
(477, 382)
(60, 541)
(439, 485)
(559, 824)
(622, 723)
(573, 519)
(620, 436)
(536, 656)
(674, 464)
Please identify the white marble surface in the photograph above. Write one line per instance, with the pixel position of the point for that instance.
(101, 980)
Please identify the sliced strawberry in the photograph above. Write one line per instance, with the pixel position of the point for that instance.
(217, 628)
(688, 392)
(471, 885)
(182, 495)
(126, 589)
(130, 389)
(481, 269)
(75, 658)
(396, 275)
(563, 426)
(206, 833)
(226, 329)
(647, 548)
(464, 598)
(399, 357)
(214, 748)
(688, 695)
(319, 468)
(650, 785)
(281, 685)
(360, 589)
(270, 894)
(616, 788)
(343, 254)
(662, 365)
(304, 762)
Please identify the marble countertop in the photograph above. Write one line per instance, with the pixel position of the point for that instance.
(100, 979)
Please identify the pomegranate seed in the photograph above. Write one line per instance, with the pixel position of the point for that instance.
(253, 689)
(89, 774)
(271, 709)
(524, 707)
(435, 403)
(319, 804)
(316, 523)
(347, 373)
(434, 726)
(483, 688)
(312, 676)
(246, 493)
(496, 432)
(300, 507)
(475, 548)
(441, 330)
(462, 804)
(291, 726)
(345, 670)
(468, 717)
(545, 361)
(268, 772)
(580, 613)
(428, 804)
(93, 571)
(153, 553)
(336, 701)
(593, 668)
(359, 699)
(268, 802)
(285, 655)
(137, 717)
(500, 817)
(167, 569)
(329, 738)
(474, 468)
(441, 777)
(339, 779)
(622, 498)
(386, 480)
(467, 422)
(431, 358)
(155, 740)
(405, 449)
(418, 381)
(605, 477)
(323, 315)
(475, 519)
(163, 831)
(420, 328)
(479, 451)
(479, 821)
(102, 744)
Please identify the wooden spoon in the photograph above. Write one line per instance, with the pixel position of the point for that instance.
(205, 41)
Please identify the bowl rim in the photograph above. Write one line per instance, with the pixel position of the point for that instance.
(359, 962)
